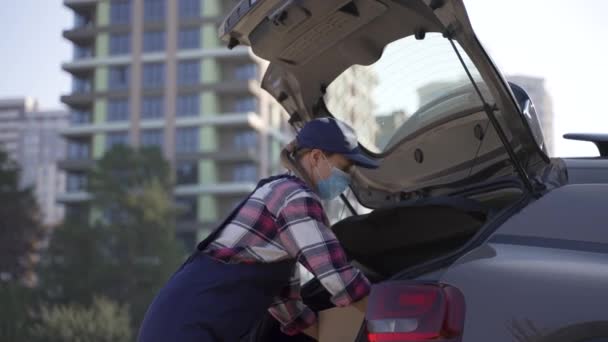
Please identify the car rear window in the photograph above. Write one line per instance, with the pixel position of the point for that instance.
(414, 83)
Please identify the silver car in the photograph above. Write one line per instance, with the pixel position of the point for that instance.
(468, 230)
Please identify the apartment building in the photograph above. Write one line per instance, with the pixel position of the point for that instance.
(153, 73)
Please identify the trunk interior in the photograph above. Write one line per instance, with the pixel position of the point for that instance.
(392, 239)
(389, 240)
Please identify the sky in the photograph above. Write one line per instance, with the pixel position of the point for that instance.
(563, 41)
(32, 50)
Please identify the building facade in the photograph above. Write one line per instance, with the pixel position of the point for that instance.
(153, 73)
(535, 87)
(12, 116)
(31, 138)
(350, 98)
(41, 147)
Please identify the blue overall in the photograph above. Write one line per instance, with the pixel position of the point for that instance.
(207, 300)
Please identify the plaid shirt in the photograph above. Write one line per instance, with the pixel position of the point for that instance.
(285, 219)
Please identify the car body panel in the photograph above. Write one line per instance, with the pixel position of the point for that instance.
(587, 170)
(544, 270)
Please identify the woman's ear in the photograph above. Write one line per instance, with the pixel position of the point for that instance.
(315, 157)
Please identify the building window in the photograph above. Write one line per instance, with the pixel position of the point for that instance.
(76, 182)
(186, 140)
(153, 75)
(116, 138)
(81, 85)
(120, 44)
(246, 104)
(152, 138)
(189, 38)
(187, 105)
(186, 172)
(79, 150)
(81, 117)
(118, 110)
(188, 72)
(246, 72)
(120, 12)
(245, 172)
(152, 107)
(119, 77)
(186, 207)
(245, 140)
(81, 52)
(189, 8)
(83, 20)
(154, 10)
(154, 41)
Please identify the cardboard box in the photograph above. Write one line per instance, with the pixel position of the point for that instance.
(340, 324)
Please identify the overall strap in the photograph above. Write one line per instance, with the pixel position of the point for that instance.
(216, 232)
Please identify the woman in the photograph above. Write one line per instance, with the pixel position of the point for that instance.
(249, 263)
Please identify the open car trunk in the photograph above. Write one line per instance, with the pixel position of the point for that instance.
(391, 240)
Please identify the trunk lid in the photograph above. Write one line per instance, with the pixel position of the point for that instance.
(432, 127)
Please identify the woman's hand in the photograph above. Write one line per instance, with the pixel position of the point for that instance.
(361, 305)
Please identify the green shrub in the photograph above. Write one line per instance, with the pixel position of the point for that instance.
(16, 303)
(103, 321)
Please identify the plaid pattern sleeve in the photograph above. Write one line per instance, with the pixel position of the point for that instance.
(289, 310)
(304, 234)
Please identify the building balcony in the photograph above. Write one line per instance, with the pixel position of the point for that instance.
(83, 97)
(227, 120)
(88, 129)
(224, 155)
(80, 5)
(80, 65)
(215, 189)
(219, 189)
(196, 22)
(81, 35)
(78, 99)
(240, 53)
(73, 197)
(223, 119)
(248, 119)
(76, 164)
(86, 64)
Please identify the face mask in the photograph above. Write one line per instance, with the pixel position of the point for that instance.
(334, 185)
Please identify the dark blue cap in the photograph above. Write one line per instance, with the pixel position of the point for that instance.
(334, 136)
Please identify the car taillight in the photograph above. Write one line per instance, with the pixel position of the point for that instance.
(406, 312)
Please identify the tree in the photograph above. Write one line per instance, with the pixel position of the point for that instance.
(20, 230)
(128, 252)
(17, 304)
(102, 321)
